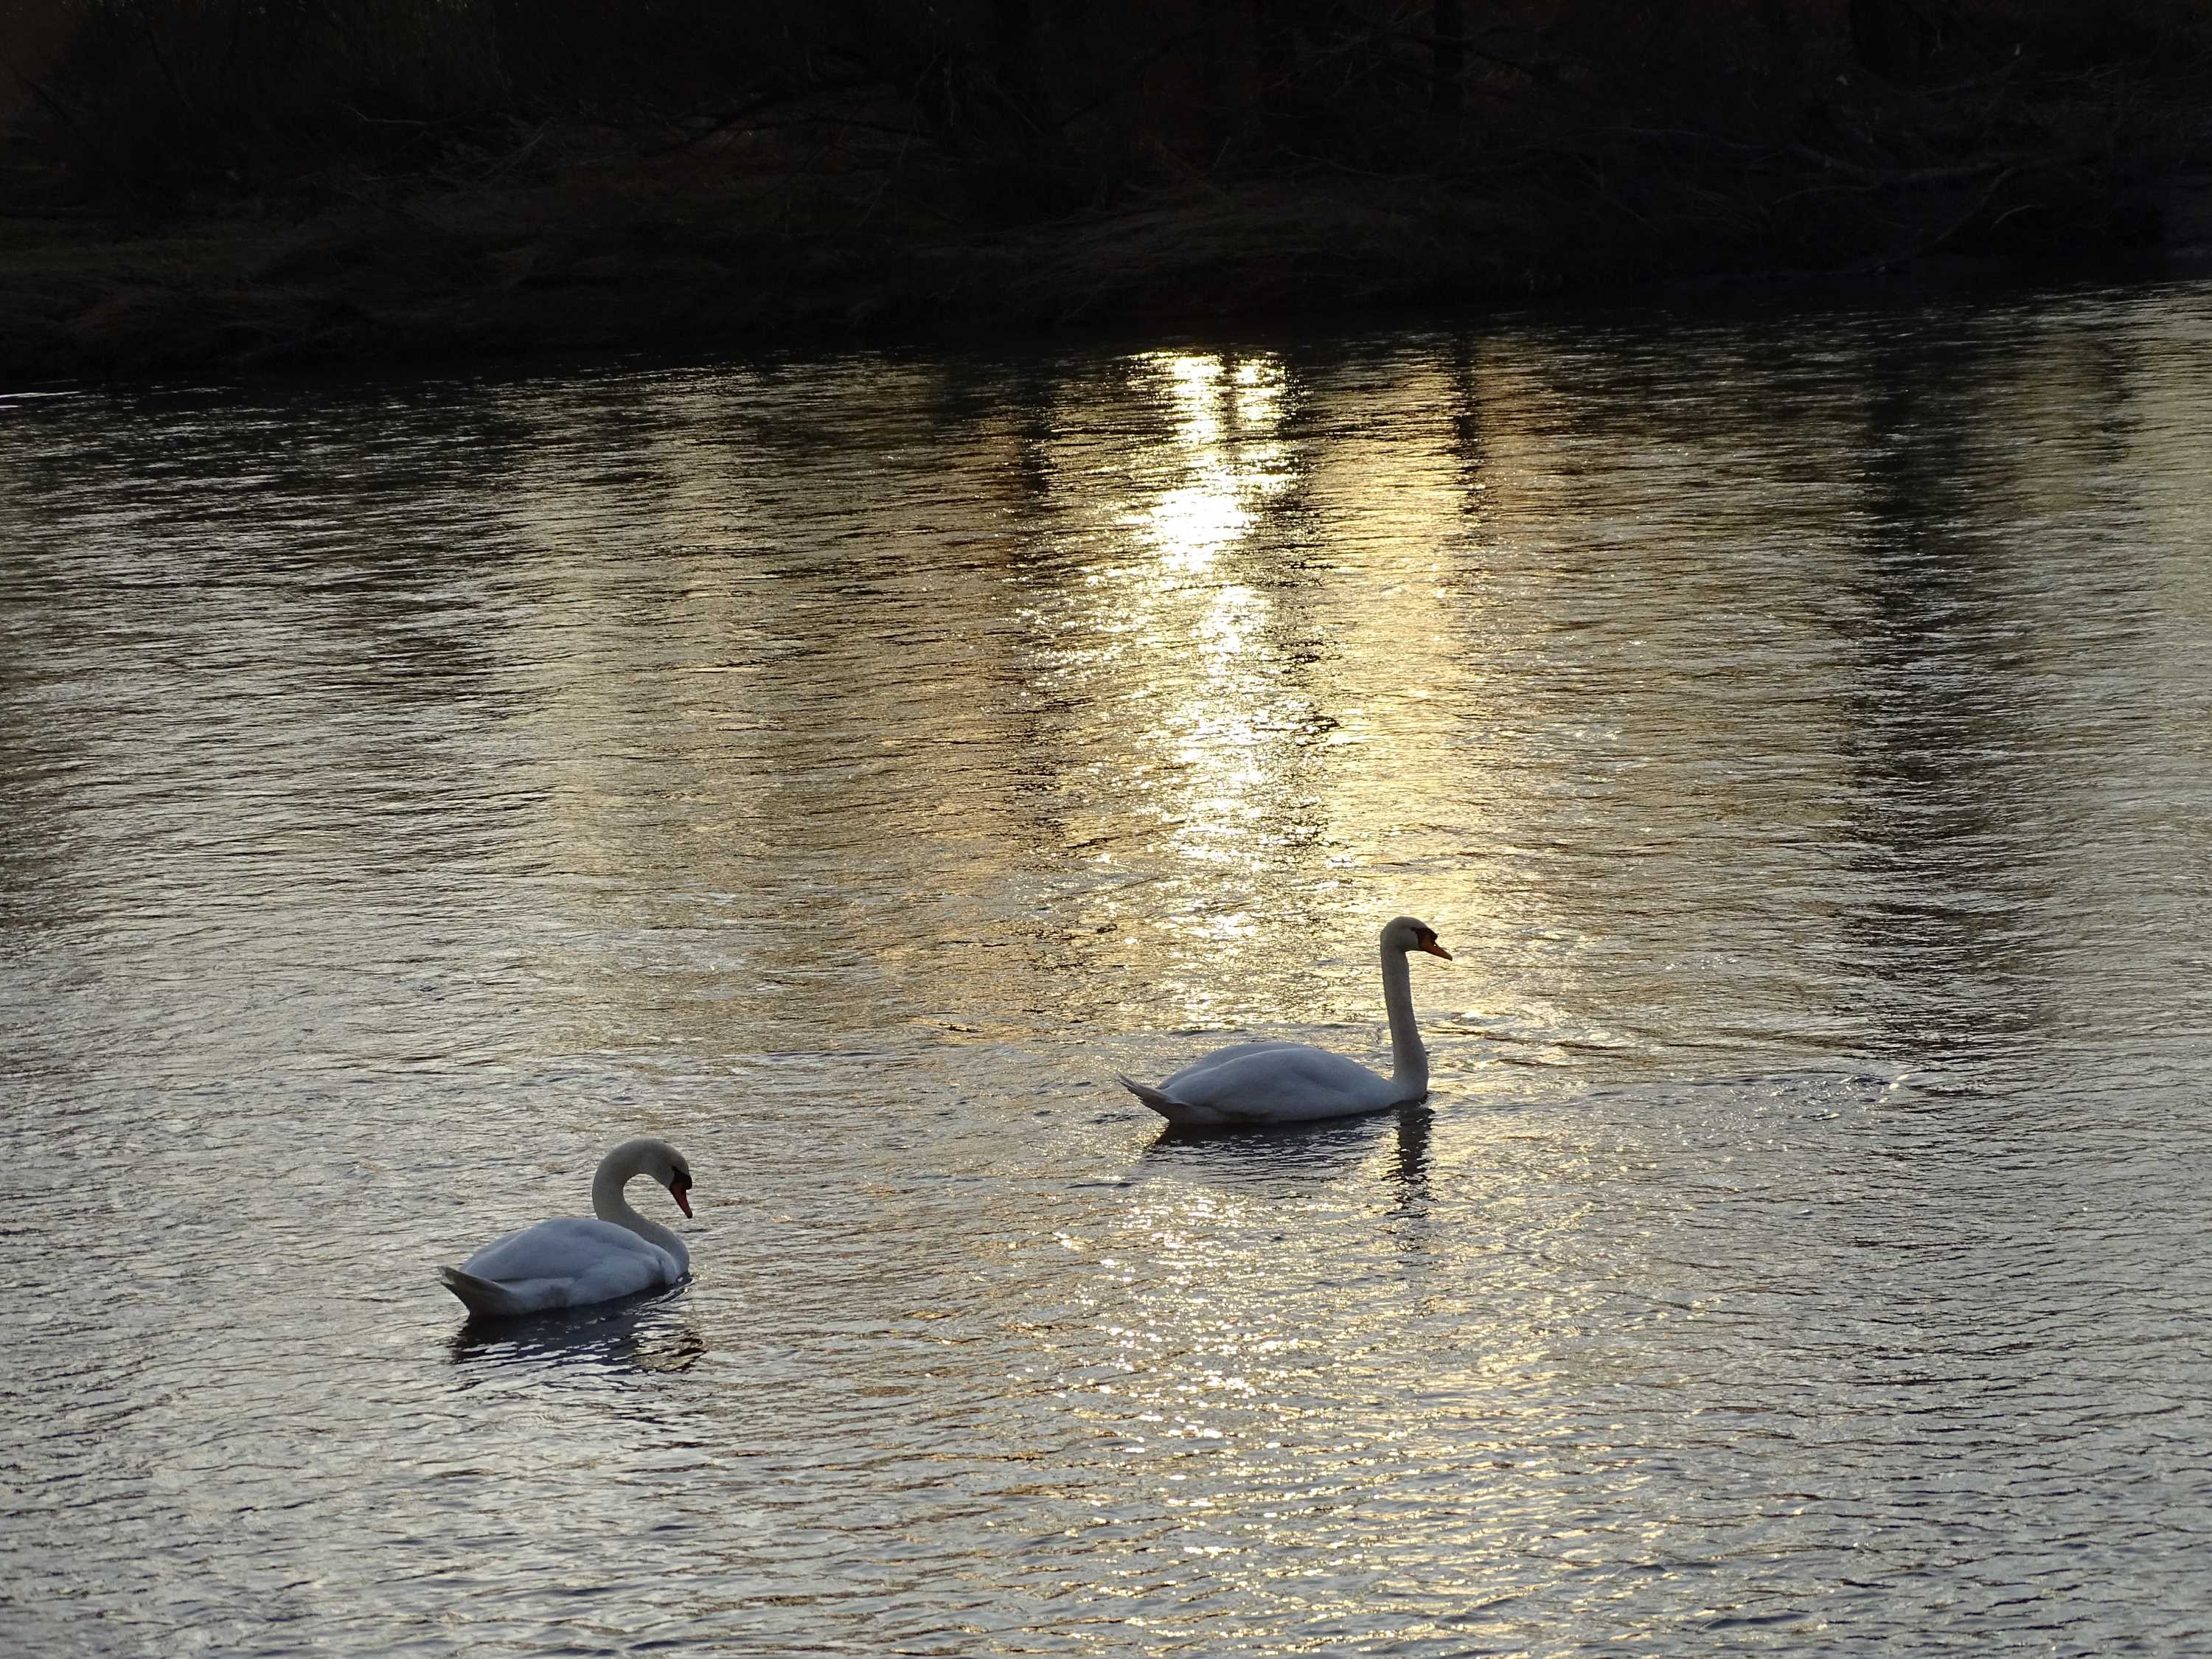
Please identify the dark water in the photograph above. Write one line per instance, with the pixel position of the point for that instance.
(1801, 730)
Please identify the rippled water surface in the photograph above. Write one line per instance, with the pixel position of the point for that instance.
(1801, 730)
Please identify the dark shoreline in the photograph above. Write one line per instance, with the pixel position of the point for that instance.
(446, 281)
(187, 189)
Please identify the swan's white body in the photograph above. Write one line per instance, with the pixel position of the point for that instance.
(576, 1260)
(1260, 1082)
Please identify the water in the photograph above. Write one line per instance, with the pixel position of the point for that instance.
(1800, 728)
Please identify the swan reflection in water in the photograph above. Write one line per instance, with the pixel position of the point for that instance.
(650, 1332)
(1326, 1148)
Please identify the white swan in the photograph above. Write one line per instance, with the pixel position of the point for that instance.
(572, 1261)
(1255, 1083)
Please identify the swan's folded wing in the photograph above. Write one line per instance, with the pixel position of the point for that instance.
(1235, 1052)
(573, 1248)
(1283, 1083)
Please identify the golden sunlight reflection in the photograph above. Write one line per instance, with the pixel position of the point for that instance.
(1225, 432)
(1241, 655)
(1194, 611)
(1243, 669)
(1281, 629)
(1232, 458)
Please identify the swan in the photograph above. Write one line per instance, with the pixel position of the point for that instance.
(574, 1262)
(1255, 1083)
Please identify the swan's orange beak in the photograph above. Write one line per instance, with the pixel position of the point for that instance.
(682, 1195)
(1437, 950)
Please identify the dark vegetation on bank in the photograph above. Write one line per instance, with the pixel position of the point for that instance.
(189, 183)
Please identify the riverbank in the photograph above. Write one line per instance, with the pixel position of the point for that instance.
(1007, 184)
(445, 275)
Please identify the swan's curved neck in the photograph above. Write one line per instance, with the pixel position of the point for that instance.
(608, 1205)
(1409, 1061)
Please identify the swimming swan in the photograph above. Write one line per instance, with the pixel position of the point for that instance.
(571, 1262)
(1256, 1083)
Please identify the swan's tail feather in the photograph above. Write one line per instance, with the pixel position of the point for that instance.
(482, 1298)
(1181, 1113)
(1166, 1105)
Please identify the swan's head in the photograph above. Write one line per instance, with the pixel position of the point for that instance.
(1405, 933)
(646, 1156)
(673, 1173)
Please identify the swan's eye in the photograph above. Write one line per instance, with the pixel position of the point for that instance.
(679, 1179)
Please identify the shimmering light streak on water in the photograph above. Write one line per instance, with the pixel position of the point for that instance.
(1797, 727)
